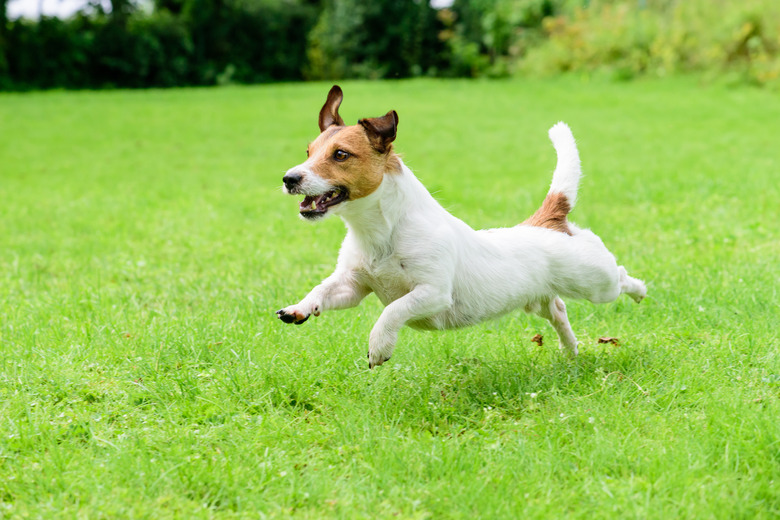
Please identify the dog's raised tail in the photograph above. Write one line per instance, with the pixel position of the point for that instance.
(563, 190)
(566, 177)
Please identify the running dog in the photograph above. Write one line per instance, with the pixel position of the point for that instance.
(429, 268)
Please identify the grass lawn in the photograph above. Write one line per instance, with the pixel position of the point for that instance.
(145, 244)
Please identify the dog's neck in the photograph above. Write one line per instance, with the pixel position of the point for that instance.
(374, 218)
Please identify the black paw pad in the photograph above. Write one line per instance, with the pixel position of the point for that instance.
(289, 318)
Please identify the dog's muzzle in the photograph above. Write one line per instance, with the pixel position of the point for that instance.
(316, 204)
(292, 181)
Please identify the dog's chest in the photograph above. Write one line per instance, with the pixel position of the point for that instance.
(387, 277)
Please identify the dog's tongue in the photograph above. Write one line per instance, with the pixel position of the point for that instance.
(321, 203)
(306, 205)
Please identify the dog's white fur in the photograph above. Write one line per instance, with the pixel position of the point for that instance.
(433, 271)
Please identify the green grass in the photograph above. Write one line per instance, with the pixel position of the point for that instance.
(145, 244)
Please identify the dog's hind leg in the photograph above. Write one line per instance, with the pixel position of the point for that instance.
(555, 311)
(633, 287)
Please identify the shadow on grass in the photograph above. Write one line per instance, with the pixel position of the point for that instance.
(468, 390)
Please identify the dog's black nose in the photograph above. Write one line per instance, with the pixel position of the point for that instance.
(291, 180)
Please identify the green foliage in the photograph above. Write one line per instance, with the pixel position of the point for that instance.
(623, 38)
(380, 39)
(741, 39)
(269, 39)
(206, 42)
(49, 53)
(148, 51)
(195, 42)
(164, 49)
(485, 36)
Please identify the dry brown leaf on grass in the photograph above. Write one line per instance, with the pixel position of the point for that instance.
(607, 339)
(538, 340)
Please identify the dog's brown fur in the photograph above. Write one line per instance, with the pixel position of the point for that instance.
(361, 173)
(552, 214)
(369, 145)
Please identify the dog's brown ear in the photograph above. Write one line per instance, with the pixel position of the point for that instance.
(329, 115)
(381, 131)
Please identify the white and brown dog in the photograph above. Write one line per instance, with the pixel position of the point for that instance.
(430, 269)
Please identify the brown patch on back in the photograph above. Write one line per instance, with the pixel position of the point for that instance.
(552, 214)
(362, 172)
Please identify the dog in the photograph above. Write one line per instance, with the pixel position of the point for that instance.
(429, 268)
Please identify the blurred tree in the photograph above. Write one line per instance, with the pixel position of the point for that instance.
(206, 21)
(3, 44)
(3, 15)
(482, 34)
(121, 10)
(172, 6)
(47, 53)
(268, 38)
(249, 40)
(383, 38)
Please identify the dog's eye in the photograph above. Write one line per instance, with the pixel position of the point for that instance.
(340, 155)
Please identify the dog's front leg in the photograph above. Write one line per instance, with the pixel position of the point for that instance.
(340, 290)
(422, 302)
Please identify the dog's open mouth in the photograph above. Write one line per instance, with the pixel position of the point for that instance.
(313, 207)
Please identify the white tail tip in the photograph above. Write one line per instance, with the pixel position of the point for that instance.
(566, 177)
(560, 130)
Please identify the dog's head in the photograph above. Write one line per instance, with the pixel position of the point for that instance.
(345, 163)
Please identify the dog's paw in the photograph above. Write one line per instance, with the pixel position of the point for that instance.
(292, 315)
(376, 359)
(639, 293)
(381, 344)
(569, 350)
